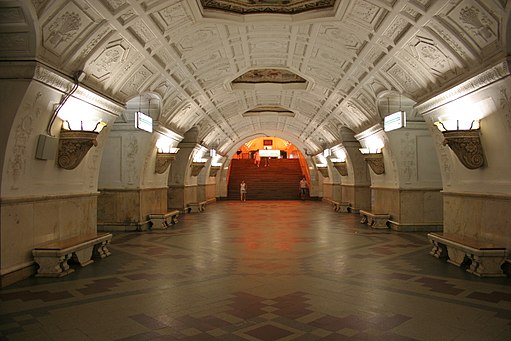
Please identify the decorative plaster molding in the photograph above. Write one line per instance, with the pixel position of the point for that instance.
(52, 79)
(483, 79)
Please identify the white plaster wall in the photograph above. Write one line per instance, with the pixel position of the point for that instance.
(23, 174)
(494, 178)
(415, 156)
(129, 160)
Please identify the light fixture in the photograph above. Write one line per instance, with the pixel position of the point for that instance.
(341, 166)
(213, 170)
(197, 167)
(374, 158)
(339, 161)
(75, 140)
(323, 169)
(164, 158)
(463, 137)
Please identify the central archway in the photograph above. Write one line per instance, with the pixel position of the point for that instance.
(271, 168)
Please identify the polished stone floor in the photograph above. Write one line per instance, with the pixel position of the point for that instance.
(262, 270)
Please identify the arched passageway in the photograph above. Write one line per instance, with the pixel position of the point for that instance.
(271, 169)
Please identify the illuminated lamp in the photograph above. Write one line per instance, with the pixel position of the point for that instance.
(164, 158)
(323, 169)
(75, 140)
(374, 158)
(464, 139)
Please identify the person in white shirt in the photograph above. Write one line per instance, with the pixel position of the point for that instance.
(243, 191)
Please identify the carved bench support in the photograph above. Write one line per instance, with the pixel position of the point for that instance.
(374, 220)
(341, 206)
(52, 258)
(161, 221)
(479, 258)
(196, 207)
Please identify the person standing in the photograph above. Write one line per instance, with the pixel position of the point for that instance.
(243, 191)
(304, 188)
(257, 158)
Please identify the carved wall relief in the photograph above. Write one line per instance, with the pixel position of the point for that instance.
(18, 160)
(408, 159)
(131, 160)
(475, 20)
(64, 28)
(505, 105)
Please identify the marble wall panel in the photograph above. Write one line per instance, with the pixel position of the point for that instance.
(358, 196)
(33, 221)
(484, 217)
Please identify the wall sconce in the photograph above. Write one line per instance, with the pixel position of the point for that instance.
(323, 169)
(75, 140)
(341, 166)
(197, 167)
(463, 137)
(164, 158)
(374, 158)
(213, 170)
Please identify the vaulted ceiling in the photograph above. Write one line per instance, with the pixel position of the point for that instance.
(347, 55)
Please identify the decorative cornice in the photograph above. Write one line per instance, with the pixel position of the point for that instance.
(483, 79)
(52, 79)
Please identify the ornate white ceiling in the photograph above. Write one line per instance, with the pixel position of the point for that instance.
(351, 55)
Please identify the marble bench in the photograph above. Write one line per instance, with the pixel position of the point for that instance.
(483, 259)
(196, 207)
(342, 206)
(375, 220)
(161, 221)
(52, 257)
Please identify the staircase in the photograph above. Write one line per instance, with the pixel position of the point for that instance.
(279, 181)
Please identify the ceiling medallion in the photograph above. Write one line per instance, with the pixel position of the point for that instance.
(267, 6)
(269, 76)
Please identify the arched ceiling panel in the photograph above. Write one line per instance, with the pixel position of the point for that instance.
(349, 53)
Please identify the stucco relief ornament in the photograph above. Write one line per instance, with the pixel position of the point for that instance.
(470, 16)
(466, 144)
(64, 28)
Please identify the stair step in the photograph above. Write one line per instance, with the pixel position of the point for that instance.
(280, 180)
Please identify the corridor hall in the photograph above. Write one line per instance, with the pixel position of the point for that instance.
(262, 270)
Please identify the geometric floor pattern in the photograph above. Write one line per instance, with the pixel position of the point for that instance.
(262, 270)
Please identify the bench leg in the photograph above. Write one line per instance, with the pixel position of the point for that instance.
(364, 219)
(83, 257)
(439, 250)
(457, 257)
(53, 266)
(101, 250)
(343, 209)
(174, 220)
(486, 266)
(378, 223)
